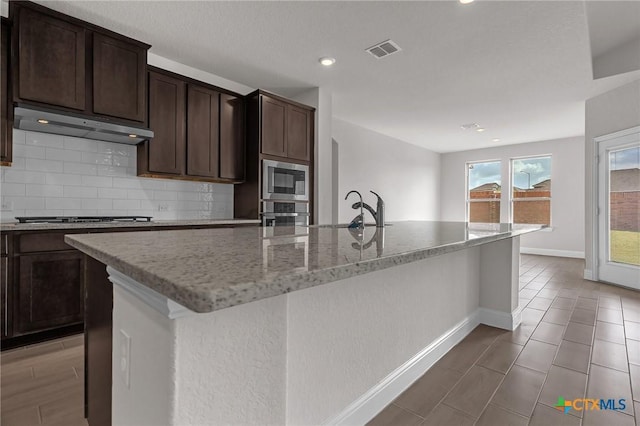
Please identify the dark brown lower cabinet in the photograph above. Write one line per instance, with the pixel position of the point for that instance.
(4, 288)
(50, 291)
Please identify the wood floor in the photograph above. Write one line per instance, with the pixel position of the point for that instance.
(577, 338)
(43, 384)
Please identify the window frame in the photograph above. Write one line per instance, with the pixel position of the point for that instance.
(467, 189)
(513, 199)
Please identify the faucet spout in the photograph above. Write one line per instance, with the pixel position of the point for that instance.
(358, 221)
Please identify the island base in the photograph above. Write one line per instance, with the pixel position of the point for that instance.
(337, 353)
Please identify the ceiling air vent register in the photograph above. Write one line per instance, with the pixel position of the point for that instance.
(385, 48)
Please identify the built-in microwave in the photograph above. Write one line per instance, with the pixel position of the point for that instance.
(285, 213)
(284, 181)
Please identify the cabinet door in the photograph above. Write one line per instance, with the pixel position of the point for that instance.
(4, 301)
(232, 137)
(6, 131)
(119, 78)
(51, 60)
(299, 128)
(50, 291)
(167, 119)
(273, 127)
(202, 132)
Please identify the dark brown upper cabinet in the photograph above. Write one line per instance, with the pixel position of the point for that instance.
(199, 131)
(274, 127)
(119, 78)
(203, 127)
(232, 155)
(63, 63)
(165, 154)
(299, 128)
(51, 60)
(286, 128)
(6, 112)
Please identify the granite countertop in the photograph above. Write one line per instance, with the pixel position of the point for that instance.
(15, 226)
(211, 269)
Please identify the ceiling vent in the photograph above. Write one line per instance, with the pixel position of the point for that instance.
(385, 48)
(470, 126)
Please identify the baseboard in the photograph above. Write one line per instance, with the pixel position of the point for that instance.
(377, 398)
(504, 320)
(550, 252)
(588, 274)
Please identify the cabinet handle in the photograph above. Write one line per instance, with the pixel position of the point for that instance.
(6, 296)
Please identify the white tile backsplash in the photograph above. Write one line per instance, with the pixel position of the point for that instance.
(57, 175)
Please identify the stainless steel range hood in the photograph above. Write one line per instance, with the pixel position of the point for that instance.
(46, 121)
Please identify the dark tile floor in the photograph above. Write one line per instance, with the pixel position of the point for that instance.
(577, 339)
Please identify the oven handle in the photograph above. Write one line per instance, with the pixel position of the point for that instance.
(284, 214)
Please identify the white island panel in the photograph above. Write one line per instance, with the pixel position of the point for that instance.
(335, 353)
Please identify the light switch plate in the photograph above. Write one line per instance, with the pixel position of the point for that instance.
(125, 358)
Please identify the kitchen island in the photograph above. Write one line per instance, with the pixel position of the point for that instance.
(318, 325)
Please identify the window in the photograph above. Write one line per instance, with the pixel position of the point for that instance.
(531, 194)
(483, 191)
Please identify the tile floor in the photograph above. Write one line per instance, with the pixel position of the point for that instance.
(43, 384)
(577, 339)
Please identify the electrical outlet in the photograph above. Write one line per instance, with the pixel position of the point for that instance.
(6, 206)
(125, 358)
(163, 207)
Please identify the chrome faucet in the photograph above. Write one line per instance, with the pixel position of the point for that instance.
(378, 214)
(358, 221)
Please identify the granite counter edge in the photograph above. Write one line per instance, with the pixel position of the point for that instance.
(203, 301)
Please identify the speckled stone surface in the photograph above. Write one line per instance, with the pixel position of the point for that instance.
(15, 226)
(211, 269)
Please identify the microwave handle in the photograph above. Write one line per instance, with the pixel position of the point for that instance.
(272, 215)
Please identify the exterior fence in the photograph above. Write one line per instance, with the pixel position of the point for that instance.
(625, 211)
(485, 208)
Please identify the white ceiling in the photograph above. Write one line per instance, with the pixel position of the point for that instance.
(520, 69)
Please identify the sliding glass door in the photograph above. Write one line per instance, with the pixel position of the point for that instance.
(619, 208)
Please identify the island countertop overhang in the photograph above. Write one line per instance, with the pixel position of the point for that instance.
(212, 269)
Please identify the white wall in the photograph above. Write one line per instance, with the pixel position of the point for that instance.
(406, 176)
(610, 112)
(567, 177)
(321, 99)
(54, 175)
(196, 74)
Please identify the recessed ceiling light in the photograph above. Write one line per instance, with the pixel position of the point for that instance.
(327, 62)
(133, 136)
(465, 1)
(41, 121)
(495, 140)
(480, 129)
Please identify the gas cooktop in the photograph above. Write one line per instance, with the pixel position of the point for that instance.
(82, 219)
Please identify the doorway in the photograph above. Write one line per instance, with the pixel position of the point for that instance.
(618, 221)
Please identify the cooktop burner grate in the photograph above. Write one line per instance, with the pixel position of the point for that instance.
(82, 219)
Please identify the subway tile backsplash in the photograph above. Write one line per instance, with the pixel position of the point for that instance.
(58, 175)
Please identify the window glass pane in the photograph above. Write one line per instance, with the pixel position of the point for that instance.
(484, 187)
(624, 206)
(531, 182)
